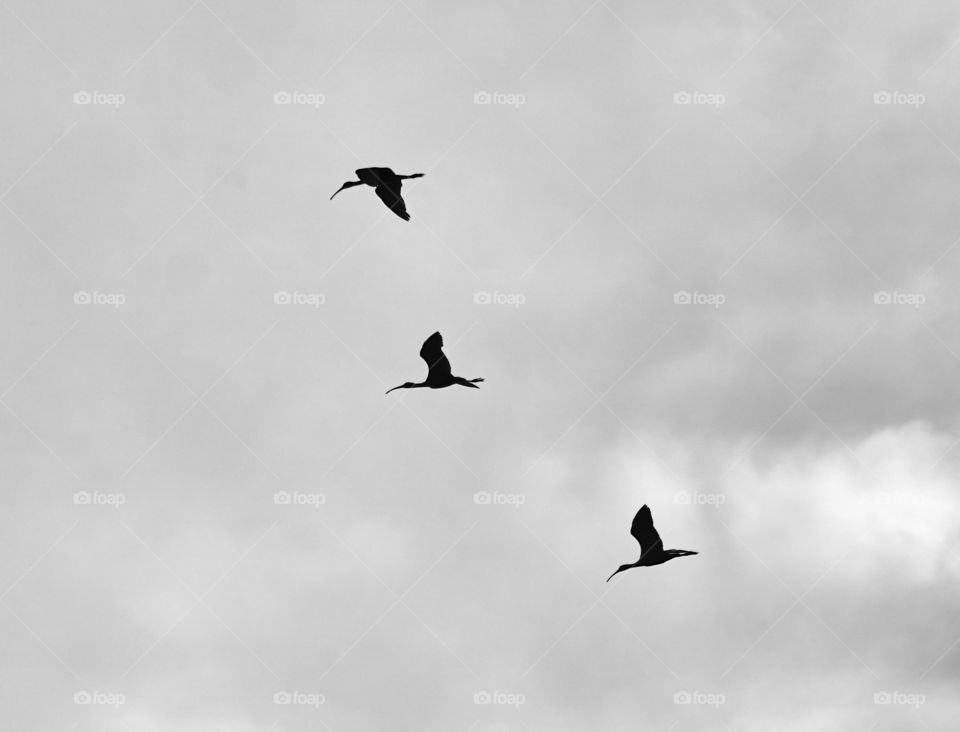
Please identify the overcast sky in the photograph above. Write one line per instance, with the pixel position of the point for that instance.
(704, 255)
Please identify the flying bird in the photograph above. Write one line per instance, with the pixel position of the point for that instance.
(438, 374)
(386, 184)
(651, 546)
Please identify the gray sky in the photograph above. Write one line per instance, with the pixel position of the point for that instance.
(739, 310)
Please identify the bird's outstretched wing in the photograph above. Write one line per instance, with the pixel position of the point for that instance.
(389, 193)
(643, 531)
(432, 352)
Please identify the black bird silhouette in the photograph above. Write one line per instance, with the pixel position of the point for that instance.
(387, 185)
(651, 546)
(438, 375)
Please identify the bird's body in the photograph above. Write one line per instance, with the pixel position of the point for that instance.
(651, 545)
(386, 185)
(439, 374)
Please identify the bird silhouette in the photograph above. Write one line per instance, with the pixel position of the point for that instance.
(651, 546)
(438, 374)
(386, 184)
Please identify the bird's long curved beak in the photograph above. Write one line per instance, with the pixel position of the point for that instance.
(393, 389)
(338, 190)
(614, 574)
